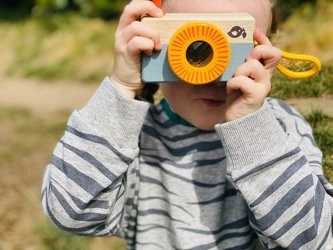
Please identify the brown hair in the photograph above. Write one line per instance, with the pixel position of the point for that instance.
(275, 19)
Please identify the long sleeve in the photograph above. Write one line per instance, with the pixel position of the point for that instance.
(273, 161)
(84, 185)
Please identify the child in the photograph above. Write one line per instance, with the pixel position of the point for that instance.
(210, 167)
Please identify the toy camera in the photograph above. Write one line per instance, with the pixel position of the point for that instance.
(198, 48)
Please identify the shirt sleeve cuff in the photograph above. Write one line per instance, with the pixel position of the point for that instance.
(253, 140)
(114, 116)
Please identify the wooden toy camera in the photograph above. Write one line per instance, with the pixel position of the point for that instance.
(198, 48)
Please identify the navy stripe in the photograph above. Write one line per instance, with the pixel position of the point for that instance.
(99, 140)
(150, 130)
(318, 163)
(92, 204)
(159, 212)
(93, 161)
(149, 227)
(187, 180)
(116, 218)
(289, 110)
(219, 198)
(156, 120)
(121, 192)
(267, 164)
(245, 245)
(146, 179)
(282, 205)
(193, 164)
(249, 234)
(319, 201)
(227, 236)
(290, 171)
(106, 227)
(329, 231)
(72, 213)
(306, 136)
(277, 248)
(293, 221)
(131, 220)
(154, 245)
(303, 238)
(323, 180)
(193, 148)
(84, 181)
(238, 224)
(60, 225)
(168, 202)
(327, 185)
(69, 229)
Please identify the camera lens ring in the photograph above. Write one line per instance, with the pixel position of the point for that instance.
(187, 35)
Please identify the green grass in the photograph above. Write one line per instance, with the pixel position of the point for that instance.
(53, 238)
(26, 146)
(22, 131)
(60, 47)
(319, 85)
(322, 125)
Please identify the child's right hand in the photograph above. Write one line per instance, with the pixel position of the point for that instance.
(131, 39)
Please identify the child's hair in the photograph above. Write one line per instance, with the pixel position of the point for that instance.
(275, 19)
(149, 90)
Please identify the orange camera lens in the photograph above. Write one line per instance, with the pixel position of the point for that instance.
(198, 53)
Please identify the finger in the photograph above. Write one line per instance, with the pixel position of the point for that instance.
(137, 28)
(241, 84)
(250, 90)
(135, 10)
(252, 69)
(267, 54)
(261, 38)
(140, 44)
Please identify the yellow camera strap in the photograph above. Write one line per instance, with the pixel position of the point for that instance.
(316, 65)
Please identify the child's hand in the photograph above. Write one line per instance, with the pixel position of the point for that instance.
(132, 38)
(251, 83)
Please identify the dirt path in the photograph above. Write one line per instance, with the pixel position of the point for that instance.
(43, 99)
(306, 105)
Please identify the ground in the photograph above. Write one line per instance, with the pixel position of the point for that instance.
(27, 105)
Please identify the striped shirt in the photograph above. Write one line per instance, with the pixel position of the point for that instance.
(127, 168)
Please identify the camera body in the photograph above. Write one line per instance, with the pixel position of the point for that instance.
(198, 48)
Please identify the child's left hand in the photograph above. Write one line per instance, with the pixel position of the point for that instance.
(251, 83)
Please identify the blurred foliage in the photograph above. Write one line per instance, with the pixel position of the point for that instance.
(287, 7)
(61, 46)
(107, 9)
(17, 9)
(323, 133)
(318, 85)
(53, 238)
